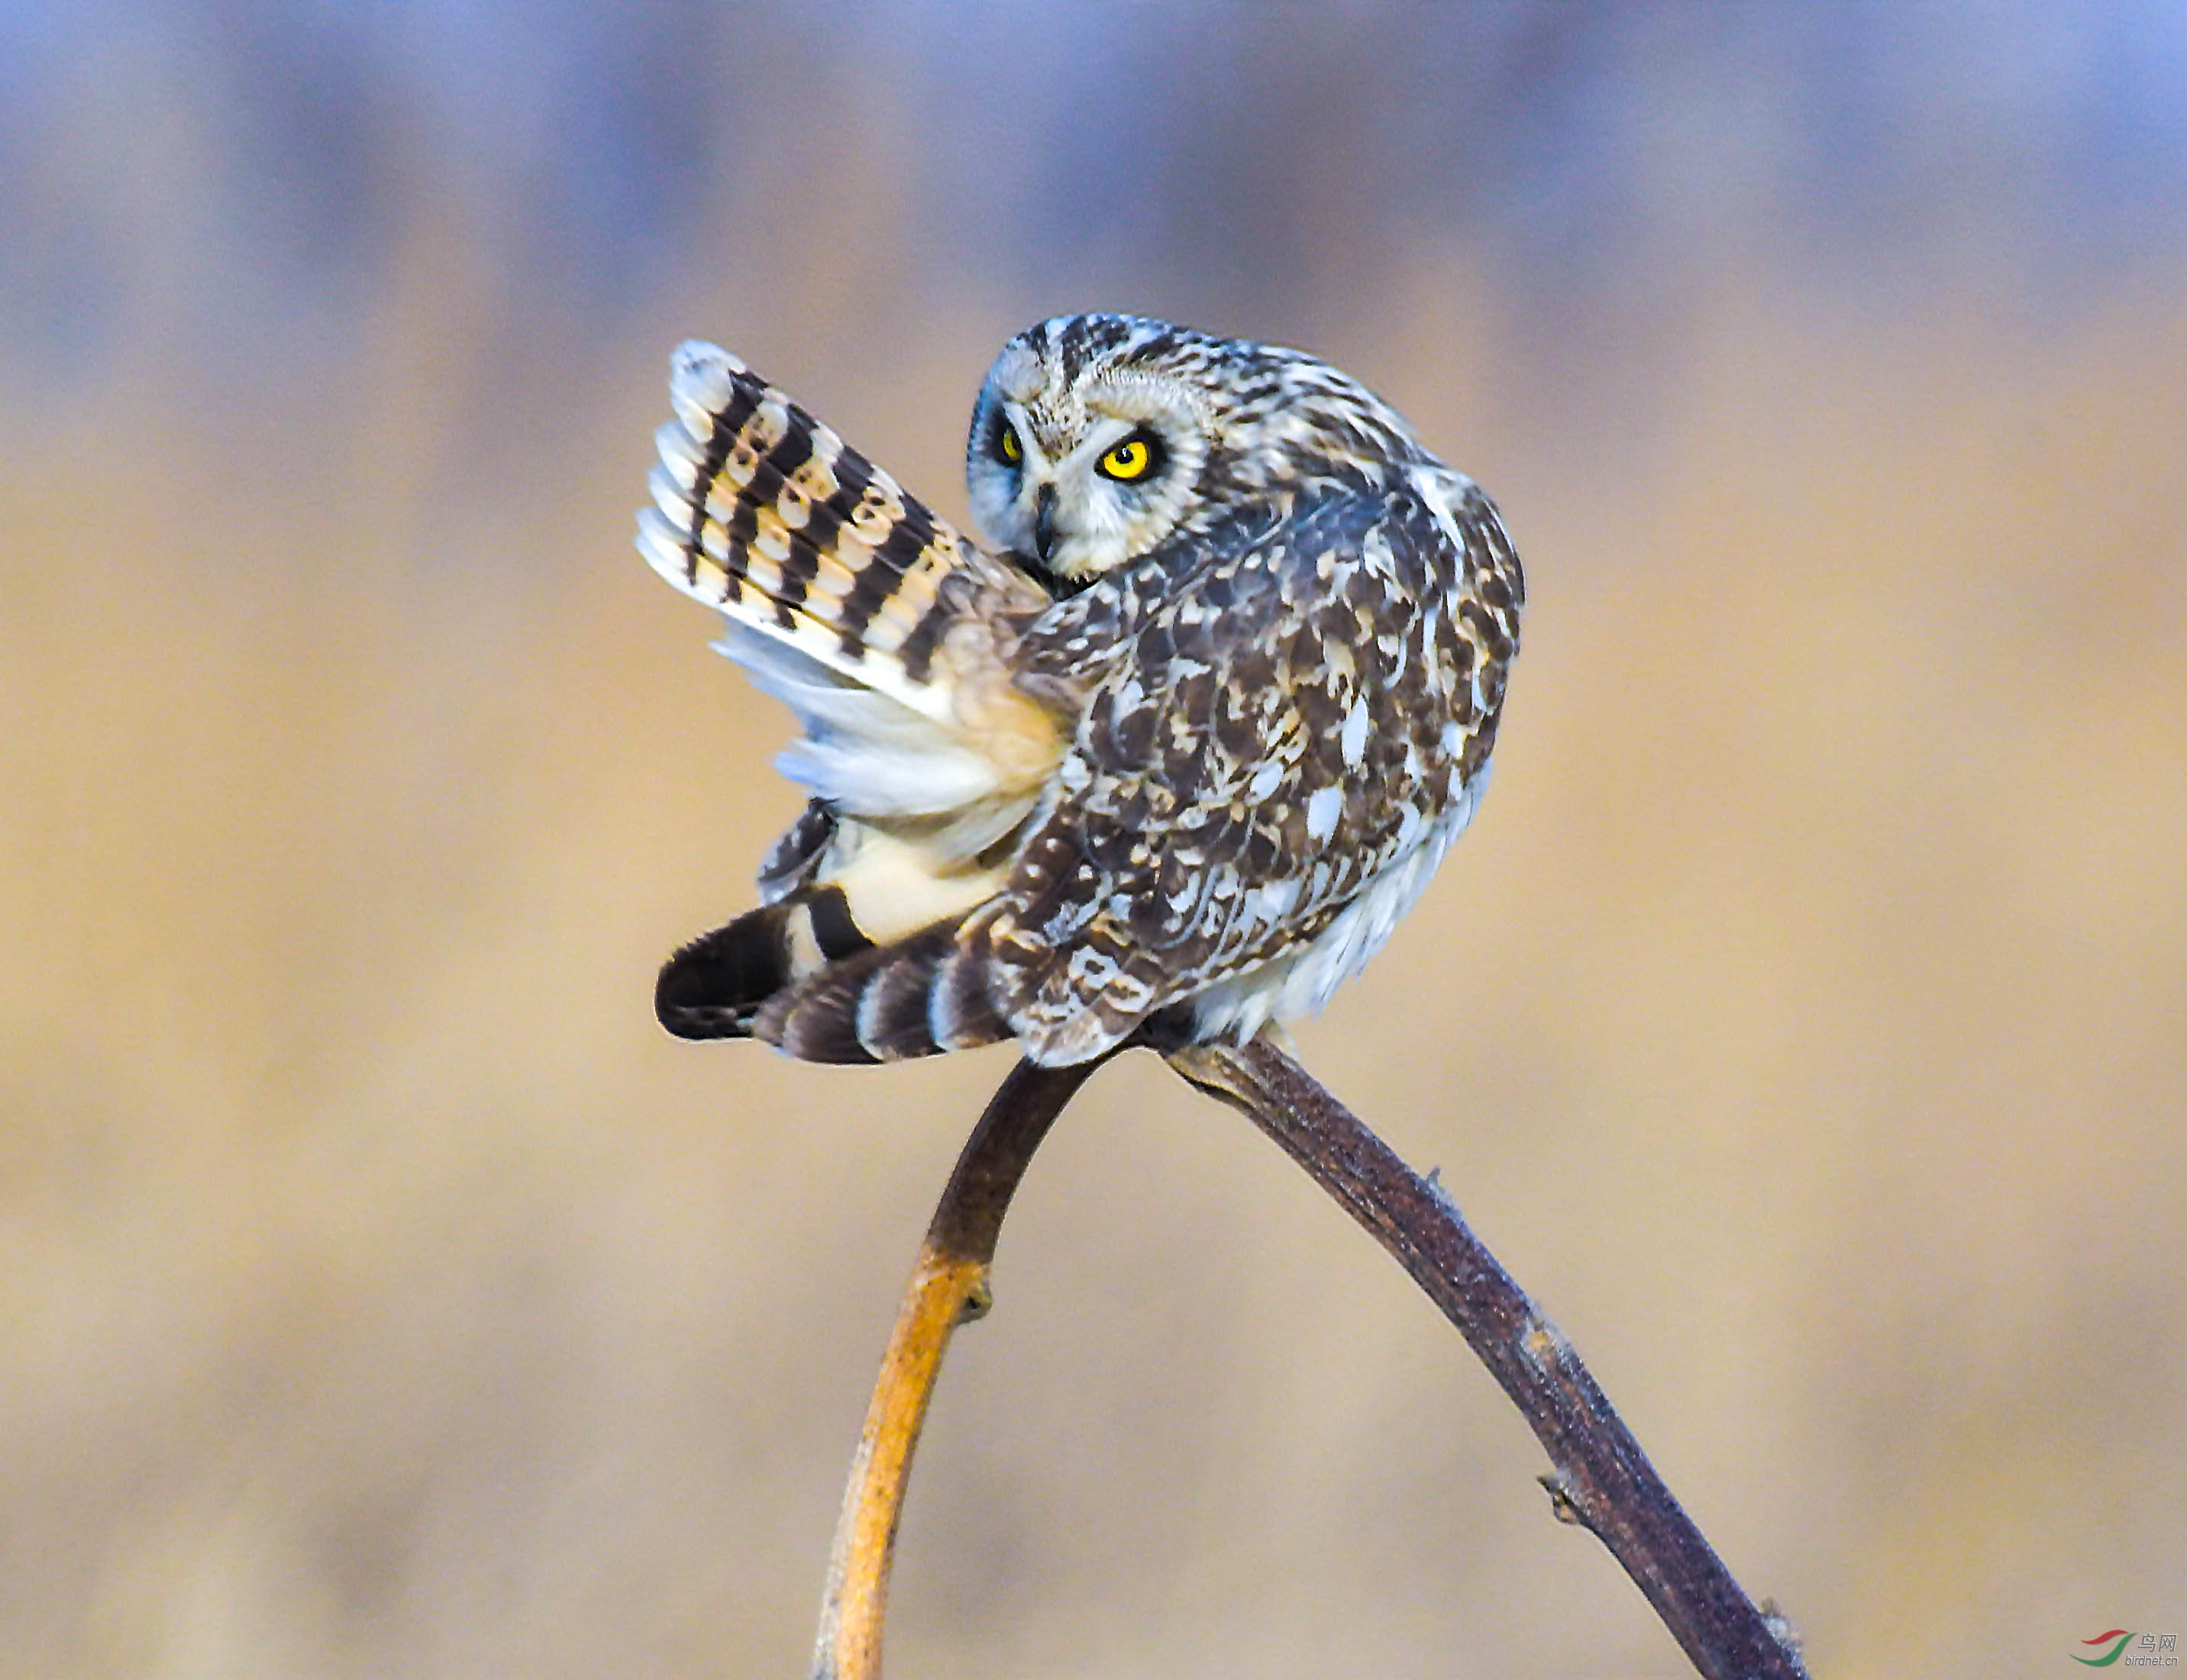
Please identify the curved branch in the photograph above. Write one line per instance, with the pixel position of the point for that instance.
(1602, 1479)
(949, 1287)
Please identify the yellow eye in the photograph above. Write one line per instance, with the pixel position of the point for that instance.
(1129, 459)
(1007, 445)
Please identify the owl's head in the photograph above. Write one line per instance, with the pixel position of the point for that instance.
(1098, 436)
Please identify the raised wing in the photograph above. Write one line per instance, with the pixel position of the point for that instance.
(891, 637)
(765, 512)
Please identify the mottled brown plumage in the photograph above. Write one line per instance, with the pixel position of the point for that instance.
(1181, 752)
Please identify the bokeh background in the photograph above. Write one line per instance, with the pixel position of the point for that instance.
(1804, 1020)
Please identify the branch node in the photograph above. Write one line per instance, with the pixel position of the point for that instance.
(979, 1302)
(1564, 1500)
(1782, 1630)
(1544, 1344)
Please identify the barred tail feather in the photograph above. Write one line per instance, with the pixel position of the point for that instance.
(918, 997)
(717, 985)
(837, 966)
(921, 997)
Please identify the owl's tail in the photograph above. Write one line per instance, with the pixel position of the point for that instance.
(799, 975)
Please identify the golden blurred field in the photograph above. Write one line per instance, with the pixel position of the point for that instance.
(1804, 1022)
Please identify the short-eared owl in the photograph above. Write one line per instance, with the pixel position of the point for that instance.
(1173, 755)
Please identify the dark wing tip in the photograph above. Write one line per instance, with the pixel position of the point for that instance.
(714, 985)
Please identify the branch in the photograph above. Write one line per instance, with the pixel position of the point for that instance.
(949, 1287)
(1602, 1479)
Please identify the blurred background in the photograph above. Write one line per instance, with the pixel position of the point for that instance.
(1804, 1020)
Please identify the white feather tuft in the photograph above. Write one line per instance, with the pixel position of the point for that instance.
(863, 752)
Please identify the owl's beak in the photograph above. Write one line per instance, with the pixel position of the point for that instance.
(1043, 522)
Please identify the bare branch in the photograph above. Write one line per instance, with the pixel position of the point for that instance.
(1601, 1479)
(949, 1287)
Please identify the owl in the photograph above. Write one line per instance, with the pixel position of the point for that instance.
(1163, 761)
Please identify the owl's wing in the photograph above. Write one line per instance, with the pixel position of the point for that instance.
(890, 634)
(892, 639)
(1301, 712)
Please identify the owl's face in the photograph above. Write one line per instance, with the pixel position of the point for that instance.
(1089, 441)
(1096, 437)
